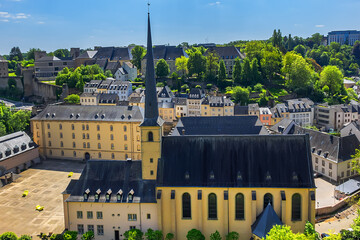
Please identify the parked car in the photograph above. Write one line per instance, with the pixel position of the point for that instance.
(316, 175)
(324, 235)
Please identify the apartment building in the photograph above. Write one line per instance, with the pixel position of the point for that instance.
(217, 106)
(193, 102)
(180, 107)
(301, 111)
(335, 116)
(348, 37)
(331, 155)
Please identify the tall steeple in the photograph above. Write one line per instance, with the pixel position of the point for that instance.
(151, 105)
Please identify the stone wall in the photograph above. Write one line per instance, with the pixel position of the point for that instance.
(4, 82)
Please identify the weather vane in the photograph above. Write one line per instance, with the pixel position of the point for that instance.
(148, 6)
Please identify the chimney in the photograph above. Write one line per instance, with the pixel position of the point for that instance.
(39, 54)
(74, 52)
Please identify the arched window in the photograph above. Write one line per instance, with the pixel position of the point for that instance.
(112, 156)
(268, 198)
(212, 205)
(60, 126)
(150, 137)
(111, 128)
(125, 128)
(72, 127)
(99, 145)
(98, 127)
(239, 207)
(99, 154)
(111, 137)
(61, 144)
(88, 145)
(49, 134)
(74, 153)
(125, 137)
(87, 136)
(87, 127)
(83, 127)
(84, 145)
(296, 207)
(186, 205)
(98, 136)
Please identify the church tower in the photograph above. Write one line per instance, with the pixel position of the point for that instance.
(151, 127)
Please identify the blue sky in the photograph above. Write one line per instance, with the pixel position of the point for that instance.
(53, 24)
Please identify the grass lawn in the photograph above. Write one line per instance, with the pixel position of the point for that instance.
(278, 92)
(49, 82)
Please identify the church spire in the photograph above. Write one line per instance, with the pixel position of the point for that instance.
(151, 105)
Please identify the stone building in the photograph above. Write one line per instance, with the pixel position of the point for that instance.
(4, 70)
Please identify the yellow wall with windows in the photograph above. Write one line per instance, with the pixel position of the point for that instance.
(113, 215)
(206, 111)
(118, 140)
(150, 151)
(167, 114)
(170, 210)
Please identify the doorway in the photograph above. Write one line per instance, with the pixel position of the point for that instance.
(117, 235)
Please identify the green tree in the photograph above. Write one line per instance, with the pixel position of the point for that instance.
(169, 236)
(2, 129)
(162, 69)
(8, 236)
(196, 63)
(297, 71)
(280, 233)
(240, 95)
(56, 237)
(356, 50)
(333, 78)
(62, 53)
(215, 236)
(270, 62)
(70, 235)
(212, 66)
(15, 54)
(233, 236)
(73, 99)
(222, 75)
(195, 234)
(300, 49)
(237, 71)
(88, 236)
(19, 120)
(138, 54)
(108, 74)
(246, 74)
(134, 234)
(255, 73)
(30, 55)
(310, 232)
(181, 65)
(153, 235)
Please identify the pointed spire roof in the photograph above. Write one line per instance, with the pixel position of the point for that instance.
(151, 107)
(264, 223)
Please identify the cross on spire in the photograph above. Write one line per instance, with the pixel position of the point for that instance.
(148, 7)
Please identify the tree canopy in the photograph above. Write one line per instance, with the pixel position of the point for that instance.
(138, 54)
(162, 68)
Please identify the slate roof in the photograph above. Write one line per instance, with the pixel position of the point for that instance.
(165, 92)
(90, 113)
(119, 85)
(179, 101)
(14, 144)
(108, 98)
(87, 54)
(299, 105)
(195, 93)
(121, 53)
(93, 83)
(265, 221)
(335, 148)
(113, 175)
(241, 110)
(112, 66)
(166, 105)
(104, 53)
(217, 101)
(168, 52)
(215, 125)
(253, 107)
(48, 58)
(101, 62)
(283, 127)
(236, 161)
(348, 187)
(230, 52)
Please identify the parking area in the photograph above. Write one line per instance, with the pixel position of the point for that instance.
(324, 193)
(45, 183)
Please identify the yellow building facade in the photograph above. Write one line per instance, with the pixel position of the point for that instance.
(88, 132)
(217, 106)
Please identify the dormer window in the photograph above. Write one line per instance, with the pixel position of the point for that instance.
(212, 175)
(97, 194)
(187, 175)
(86, 194)
(239, 176)
(131, 195)
(108, 195)
(119, 195)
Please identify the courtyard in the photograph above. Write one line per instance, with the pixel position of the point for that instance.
(45, 183)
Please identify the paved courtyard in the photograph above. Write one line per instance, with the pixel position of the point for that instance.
(324, 193)
(45, 183)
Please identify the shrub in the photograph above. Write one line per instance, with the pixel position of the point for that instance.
(87, 236)
(57, 237)
(232, 236)
(195, 234)
(160, 84)
(73, 99)
(169, 236)
(258, 87)
(134, 234)
(25, 237)
(198, 86)
(215, 236)
(70, 235)
(8, 236)
(208, 86)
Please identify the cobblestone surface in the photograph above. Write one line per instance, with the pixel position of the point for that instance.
(45, 183)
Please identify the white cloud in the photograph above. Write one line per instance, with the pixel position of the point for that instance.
(4, 20)
(7, 16)
(320, 26)
(40, 22)
(215, 3)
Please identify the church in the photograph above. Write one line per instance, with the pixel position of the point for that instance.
(241, 183)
